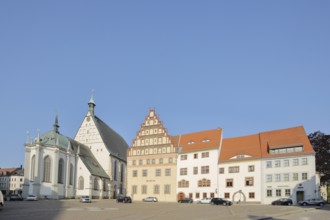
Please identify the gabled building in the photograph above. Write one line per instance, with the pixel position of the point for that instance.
(11, 180)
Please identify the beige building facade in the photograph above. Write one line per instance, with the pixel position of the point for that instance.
(151, 162)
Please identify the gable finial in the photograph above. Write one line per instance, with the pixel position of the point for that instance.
(91, 104)
(56, 126)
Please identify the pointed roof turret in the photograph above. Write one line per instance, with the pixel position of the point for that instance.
(91, 105)
(56, 126)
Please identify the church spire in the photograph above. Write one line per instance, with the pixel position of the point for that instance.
(91, 104)
(56, 126)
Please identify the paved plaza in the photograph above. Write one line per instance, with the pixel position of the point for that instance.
(109, 209)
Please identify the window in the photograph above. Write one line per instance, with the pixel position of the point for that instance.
(268, 164)
(195, 170)
(251, 195)
(81, 183)
(115, 170)
(197, 195)
(183, 171)
(205, 154)
(269, 193)
(122, 172)
(33, 166)
(221, 170)
(148, 161)
(295, 162)
(278, 192)
(183, 184)
(133, 162)
(295, 176)
(204, 183)
(195, 156)
(140, 162)
(286, 177)
(304, 161)
(167, 189)
(153, 161)
(170, 160)
(287, 192)
(229, 182)
(249, 181)
(204, 195)
(144, 173)
(135, 173)
(158, 172)
(134, 189)
(227, 195)
(60, 171)
(277, 163)
(304, 176)
(286, 163)
(47, 169)
(233, 169)
(277, 177)
(269, 178)
(160, 160)
(71, 174)
(144, 189)
(205, 170)
(251, 168)
(167, 172)
(183, 157)
(156, 189)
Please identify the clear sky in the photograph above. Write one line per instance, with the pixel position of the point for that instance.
(244, 66)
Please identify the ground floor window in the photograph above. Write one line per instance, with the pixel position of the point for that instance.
(197, 195)
(287, 192)
(227, 195)
(251, 195)
(269, 193)
(278, 192)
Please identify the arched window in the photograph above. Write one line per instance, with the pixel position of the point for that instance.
(47, 169)
(96, 184)
(115, 170)
(71, 174)
(33, 164)
(81, 183)
(60, 171)
(122, 172)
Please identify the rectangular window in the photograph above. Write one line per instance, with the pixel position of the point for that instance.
(286, 163)
(295, 162)
(144, 173)
(268, 164)
(304, 176)
(277, 163)
(295, 176)
(229, 182)
(170, 160)
(148, 161)
(205, 169)
(221, 170)
(140, 162)
(183, 171)
(251, 168)
(167, 189)
(286, 177)
(205, 154)
(233, 169)
(269, 193)
(144, 189)
(195, 156)
(278, 192)
(227, 195)
(133, 162)
(168, 172)
(183, 157)
(251, 195)
(158, 172)
(134, 189)
(156, 189)
(269, 178)
(277, 177)
(195, 170)
(249, 181)
(160, 160)
(287, 192)
(304, 161)
(197, 195)
(134, 173)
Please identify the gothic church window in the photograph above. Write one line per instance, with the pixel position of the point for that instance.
(60, 171)
(47, 169)
(71, 174)
(33, 164)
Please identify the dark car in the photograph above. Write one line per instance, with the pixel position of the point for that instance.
(220, 201)
(185, 200)
(15, 197)
(124, 199)
(282, 201)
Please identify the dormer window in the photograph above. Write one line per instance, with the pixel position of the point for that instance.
(205, 140)
(191, 142)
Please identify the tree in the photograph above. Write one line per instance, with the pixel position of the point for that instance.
(321, 145)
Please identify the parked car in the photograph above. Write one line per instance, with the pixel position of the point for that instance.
(31, 198)
(205, 201)
(2, 200)
(15, 197)
(150, 199)
(283, 201)
(85, 199)
(124, 199)
(319, 202)
(185, 200)
(220, 201)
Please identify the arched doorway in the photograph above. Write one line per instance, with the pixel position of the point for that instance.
(239, 196)
(180, 196)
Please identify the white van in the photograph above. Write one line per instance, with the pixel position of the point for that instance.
(2, 203)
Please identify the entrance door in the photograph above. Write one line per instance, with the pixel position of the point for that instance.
(300, 196)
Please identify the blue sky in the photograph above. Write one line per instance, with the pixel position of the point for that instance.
(244, 66)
